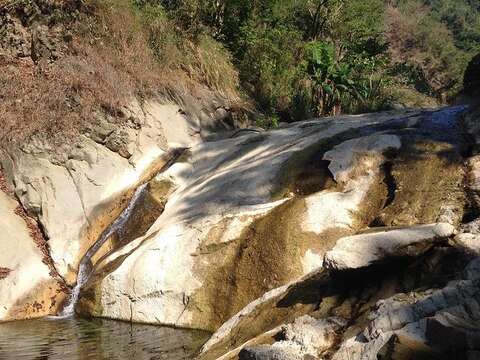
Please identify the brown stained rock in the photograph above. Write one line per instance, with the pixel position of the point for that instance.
(3, 184)
(4, 272)
(30, 285)
(426, 170)
(266, 256)
(270, 253)
(42, 244)
(37, 237)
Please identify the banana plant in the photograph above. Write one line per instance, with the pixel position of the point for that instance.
(330, 80)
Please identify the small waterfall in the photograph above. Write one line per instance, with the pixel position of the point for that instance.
(85, 268)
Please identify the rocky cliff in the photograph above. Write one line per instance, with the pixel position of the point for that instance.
(350, 235)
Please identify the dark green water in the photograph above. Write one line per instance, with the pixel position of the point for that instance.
(81, 339)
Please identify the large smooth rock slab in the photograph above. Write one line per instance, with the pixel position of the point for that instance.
(366, 249)
(233, 220)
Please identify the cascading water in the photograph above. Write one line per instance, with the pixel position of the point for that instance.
(85, 267)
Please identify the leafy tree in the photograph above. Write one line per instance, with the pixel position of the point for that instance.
(301, 58)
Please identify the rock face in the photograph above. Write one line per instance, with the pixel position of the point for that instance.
(77, 193)
(305, 338)
(235, 219)
(403, 292)
(442, 320)
(21, 296)
(348, 237)
(76, 190)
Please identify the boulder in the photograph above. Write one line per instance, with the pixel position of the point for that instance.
(278, 351)
(306, 337)
(433, 322)
(363, 250)
(468, 242)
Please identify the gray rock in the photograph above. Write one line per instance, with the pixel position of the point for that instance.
(279, 352)
(430, 322)
(305, 338)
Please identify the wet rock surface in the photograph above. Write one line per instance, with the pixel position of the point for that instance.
(233, 220)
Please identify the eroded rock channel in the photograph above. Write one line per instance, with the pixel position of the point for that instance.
(352, 237)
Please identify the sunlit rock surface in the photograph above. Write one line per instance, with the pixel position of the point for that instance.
(241, 222)
(76, 189)
(356, 226)
(367, 249)
(27, 287)
(406, 292)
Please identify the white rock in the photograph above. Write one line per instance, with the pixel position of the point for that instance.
(27, 289)
(223, 188)
(366, 249)
(344, 157)
(334, 209)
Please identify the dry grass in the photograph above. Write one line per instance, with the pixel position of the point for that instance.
(416, 39)
(109, 60)
(60, 98)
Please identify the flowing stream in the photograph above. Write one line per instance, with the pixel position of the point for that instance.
(85, 268)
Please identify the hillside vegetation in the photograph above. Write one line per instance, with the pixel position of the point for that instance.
(299, 59)
(286, 59)
(302, 58)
